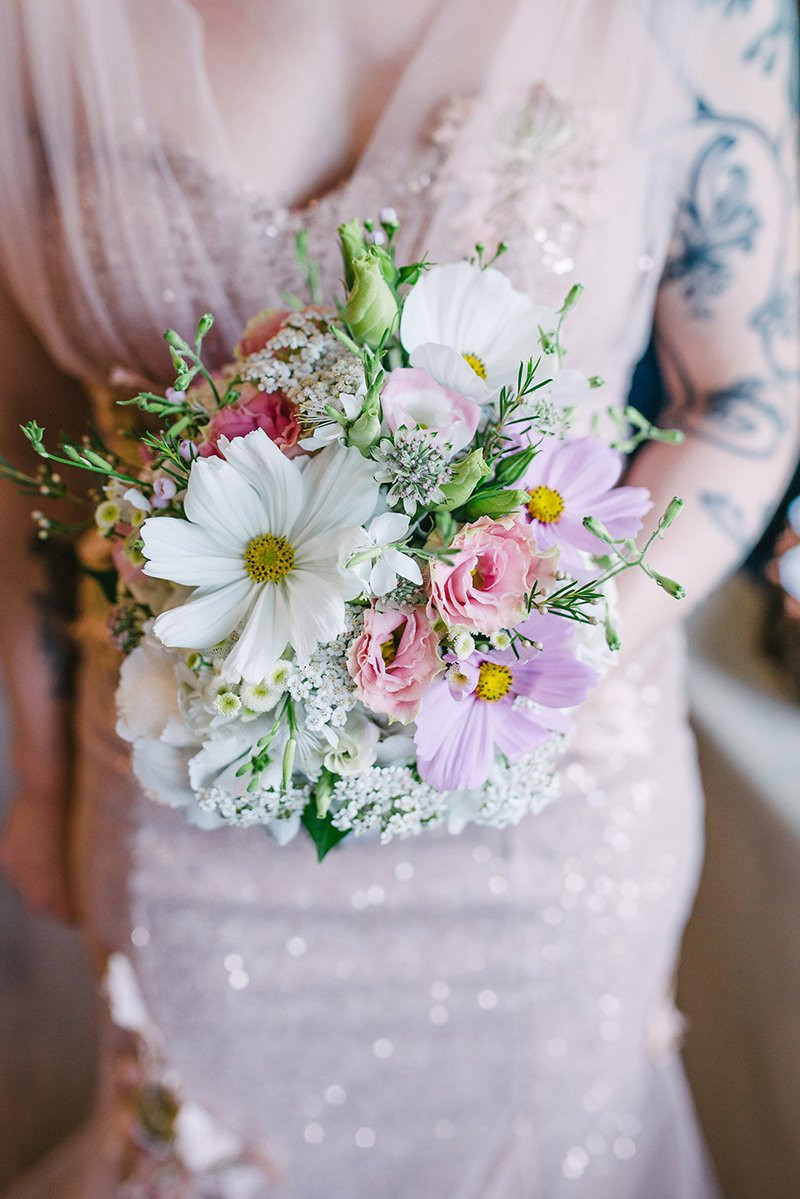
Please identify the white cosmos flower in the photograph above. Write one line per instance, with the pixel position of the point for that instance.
(471, 329)
(379, 571)
(265, 543)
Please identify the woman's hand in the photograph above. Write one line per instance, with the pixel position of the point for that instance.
(34, 850)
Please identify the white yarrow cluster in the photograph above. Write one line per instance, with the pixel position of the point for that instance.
(386, 799)
(267, 806)
(522, 787)
(323, 683)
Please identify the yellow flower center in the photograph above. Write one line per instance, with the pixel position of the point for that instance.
(545, 504)
(494, 681)
(268, 559)
(390, 646)
(477, 365)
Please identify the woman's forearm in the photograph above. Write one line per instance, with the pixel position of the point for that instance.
(729, 495)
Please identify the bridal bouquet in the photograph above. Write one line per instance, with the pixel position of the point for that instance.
(360, 571)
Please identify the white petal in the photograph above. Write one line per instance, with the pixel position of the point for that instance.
(513, 341)
(206, 618)
(221, 500)
(147, 696)
(448, 367)
(404, 565)
(187, 554)
(340, 492)
(388, 527)
(262, 640)
(276, 479)
(382, 578)
(315, 610)
(163, 772)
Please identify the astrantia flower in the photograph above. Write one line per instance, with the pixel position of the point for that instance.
(511, 707)
(264, 543)
(415, 466)
(470, 329)
(568, 480)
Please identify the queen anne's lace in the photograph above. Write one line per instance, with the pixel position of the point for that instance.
(323, 683)
(388, 799)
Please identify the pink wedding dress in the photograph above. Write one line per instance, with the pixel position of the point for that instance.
(478, 1017)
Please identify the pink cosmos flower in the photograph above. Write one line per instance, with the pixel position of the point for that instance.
(394, 661)
(568, 480)
(270, 411)
(412, 399)
(482, 710)
(259, 330)
(492, 568)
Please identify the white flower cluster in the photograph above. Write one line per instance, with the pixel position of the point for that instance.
(323, 683)
(309, 365)
(525, 786)
(389, 799)
(268, 806)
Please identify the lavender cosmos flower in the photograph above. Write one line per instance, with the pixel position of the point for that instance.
(498, 702)
(568, 480)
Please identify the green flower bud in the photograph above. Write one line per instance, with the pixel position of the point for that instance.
(323, 793)
(612, 636)
(371, 308)
(366, 428)
(671, 512)
(288, 762)
(666, 584)
(467, 474)
(203, 325)
(352, 246)
(513, 467)
(494, 502)
(593, 525)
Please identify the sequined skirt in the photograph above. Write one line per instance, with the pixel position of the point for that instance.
(478, 1016)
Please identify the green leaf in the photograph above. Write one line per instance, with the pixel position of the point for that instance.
(320, 830)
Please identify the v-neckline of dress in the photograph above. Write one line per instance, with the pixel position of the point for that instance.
(300, 206)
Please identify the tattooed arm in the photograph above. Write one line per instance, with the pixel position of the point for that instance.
(727, 330)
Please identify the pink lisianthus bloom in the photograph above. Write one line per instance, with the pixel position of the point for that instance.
(497, 702)
(492, 568)
(259, 330)
(412, 399)
(270, 411)
(568, 480)
(394, 661)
